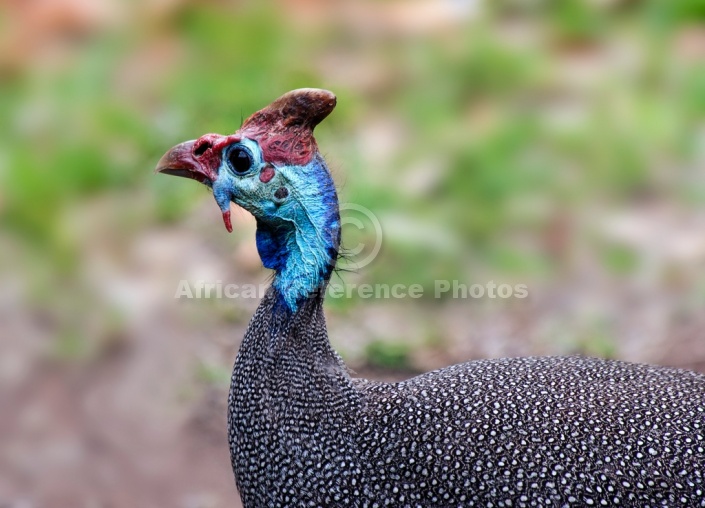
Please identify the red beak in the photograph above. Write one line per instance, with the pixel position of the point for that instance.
(198, 160)
(181, 161)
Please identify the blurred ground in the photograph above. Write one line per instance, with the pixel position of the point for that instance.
(560, 145)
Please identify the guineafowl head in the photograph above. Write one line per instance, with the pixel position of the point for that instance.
(272, 168)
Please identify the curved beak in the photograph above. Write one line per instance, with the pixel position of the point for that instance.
(181, 161)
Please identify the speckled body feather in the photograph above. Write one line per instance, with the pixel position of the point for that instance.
(497, 433)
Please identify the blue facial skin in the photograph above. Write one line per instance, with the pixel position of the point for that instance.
(298, 235)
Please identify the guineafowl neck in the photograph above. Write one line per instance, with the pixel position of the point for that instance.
(274, 333)
(301, 242)
(287, 384)
(286, 355)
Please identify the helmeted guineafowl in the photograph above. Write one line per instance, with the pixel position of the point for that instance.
(515, 432)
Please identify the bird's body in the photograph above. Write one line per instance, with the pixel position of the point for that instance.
(515, 432)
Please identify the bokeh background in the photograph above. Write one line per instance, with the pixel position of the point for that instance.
(559, 145)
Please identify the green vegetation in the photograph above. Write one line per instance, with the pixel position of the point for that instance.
(463, 140)
(388, 355)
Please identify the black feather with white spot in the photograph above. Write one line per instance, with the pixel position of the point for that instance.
(496, 433)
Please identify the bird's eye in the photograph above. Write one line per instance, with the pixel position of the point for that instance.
(239, 160)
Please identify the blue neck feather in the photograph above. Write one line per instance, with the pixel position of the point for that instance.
(300, 240)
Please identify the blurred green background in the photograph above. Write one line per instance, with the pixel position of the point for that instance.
(559, 145)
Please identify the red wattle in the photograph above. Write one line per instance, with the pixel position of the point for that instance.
(226, 220)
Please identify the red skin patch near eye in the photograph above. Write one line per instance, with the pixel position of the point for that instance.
(267, 174)
(226, 221)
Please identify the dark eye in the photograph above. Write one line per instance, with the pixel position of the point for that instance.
(239, 160)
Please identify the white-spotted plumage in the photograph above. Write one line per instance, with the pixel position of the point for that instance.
(525, 432)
